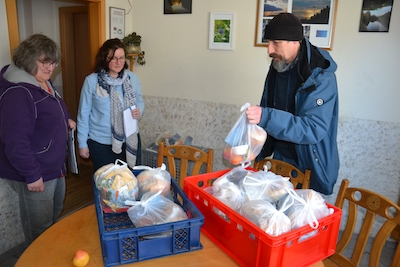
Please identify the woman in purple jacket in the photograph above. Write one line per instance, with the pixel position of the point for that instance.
(34, 125)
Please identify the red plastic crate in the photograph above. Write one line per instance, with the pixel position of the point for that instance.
(247, 244)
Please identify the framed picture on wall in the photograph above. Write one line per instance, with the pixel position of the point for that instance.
(221, 31)
(317, 17)
(117, 23)
(177, 6)
(375, 16)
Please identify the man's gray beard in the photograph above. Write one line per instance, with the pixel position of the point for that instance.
(280, 65)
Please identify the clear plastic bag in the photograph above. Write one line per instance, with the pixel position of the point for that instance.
(153, 180)
(244, 141)
(153, 208)
(265, 215)
(231, 195)
(266, 185)
(308, 207)
(116, 183)
(235, 175)
(228, 188)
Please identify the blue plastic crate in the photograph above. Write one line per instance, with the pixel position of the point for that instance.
(122, 242)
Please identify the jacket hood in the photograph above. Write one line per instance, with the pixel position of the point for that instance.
(13, 74)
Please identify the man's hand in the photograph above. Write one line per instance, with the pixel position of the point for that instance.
(253, 114)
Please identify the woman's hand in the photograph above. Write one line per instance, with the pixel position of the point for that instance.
(84, 152)
(37, 186)
(135, 113)
(72, 124)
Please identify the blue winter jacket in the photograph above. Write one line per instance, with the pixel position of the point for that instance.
(313, 126)
(33, 129)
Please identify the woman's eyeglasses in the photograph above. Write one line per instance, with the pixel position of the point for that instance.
(116, 59)
(49, 64)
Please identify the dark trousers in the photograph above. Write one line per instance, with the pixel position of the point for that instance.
(102, 154)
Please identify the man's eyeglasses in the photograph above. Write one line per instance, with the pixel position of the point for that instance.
(49, 64)
(116, 59)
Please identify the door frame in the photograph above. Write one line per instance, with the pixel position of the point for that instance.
(97, 24)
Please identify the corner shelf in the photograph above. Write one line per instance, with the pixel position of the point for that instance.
(132, 60)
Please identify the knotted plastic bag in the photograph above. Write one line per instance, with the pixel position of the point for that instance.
(235, 175)
(231, 195)
(153, 208)
(153, 180)
(244, 141)
(116, 183)
(266, 185)
(265, 215)
(308, 207)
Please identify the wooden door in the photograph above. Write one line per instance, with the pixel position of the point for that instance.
(76, 61)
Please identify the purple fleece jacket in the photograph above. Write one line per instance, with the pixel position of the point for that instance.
(33, 129)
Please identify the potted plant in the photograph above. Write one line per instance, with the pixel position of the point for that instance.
(132, 43)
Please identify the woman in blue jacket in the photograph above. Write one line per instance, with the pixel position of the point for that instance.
(34, 125)
(105, 95)
(299, 106)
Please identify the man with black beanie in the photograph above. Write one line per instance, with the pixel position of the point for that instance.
(299, 105)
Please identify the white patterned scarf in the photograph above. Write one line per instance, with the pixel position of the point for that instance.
(117, 121)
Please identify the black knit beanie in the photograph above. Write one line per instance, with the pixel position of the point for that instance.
(284, 26)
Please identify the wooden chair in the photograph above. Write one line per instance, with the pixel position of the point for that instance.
(373, 204)
(185, 160)
(396, 232)
(287, 170)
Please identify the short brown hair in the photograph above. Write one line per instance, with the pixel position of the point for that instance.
(34, 47)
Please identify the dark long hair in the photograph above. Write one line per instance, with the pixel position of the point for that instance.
(102, 58)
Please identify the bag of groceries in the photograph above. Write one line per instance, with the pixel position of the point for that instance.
(153, 208)
(245, 141)
(115, 183)
(265, 215)
(153, 180)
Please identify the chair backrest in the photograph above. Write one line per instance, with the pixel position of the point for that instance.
(287, 170)
(396, 232)
(185, 160)
(359, 200)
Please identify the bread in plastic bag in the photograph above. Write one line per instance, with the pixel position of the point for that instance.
(244, 141)
(231, 195)
(116, 183)
(308, 207)
(265, 215)
(154, 208)
(235, 175)
(153, 180)
(266, 185)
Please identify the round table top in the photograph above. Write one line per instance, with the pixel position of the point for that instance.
(57, 245)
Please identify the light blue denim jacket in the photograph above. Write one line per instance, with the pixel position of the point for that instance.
(94, 115)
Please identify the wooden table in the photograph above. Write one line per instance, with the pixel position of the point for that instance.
(57, 245)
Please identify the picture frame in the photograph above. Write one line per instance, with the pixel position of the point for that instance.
(117, 23)
(317, 16)
(177, 6)
(375, 17)
(221, 32)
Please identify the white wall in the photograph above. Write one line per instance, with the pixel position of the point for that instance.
(179, 63)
